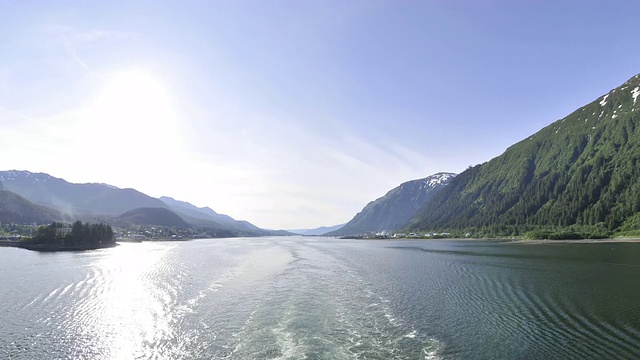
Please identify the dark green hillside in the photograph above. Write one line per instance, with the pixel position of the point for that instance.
(154, 216)
(16, 209)
(581, 171)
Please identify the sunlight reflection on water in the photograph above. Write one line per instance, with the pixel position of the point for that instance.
(131, 307)
(293, 298)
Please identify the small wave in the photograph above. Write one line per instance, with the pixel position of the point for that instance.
(33, 301)
(64, 291)
(51, 294)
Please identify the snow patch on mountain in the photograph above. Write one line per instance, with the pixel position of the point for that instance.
(12, 175)
(438, 179)
(396, 208)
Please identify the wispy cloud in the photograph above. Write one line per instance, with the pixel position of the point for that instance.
(75, 40)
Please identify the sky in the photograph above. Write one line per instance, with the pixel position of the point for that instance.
(294, 114)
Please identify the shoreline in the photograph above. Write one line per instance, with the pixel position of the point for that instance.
(517, 241)
(579, 241)
(49, 248)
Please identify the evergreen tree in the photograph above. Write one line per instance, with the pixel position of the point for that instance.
(579, 173)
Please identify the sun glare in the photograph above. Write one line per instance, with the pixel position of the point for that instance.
(137, 105)
(132, 120)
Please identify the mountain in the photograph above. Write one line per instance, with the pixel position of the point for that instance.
(154, 216)
(206, 217)
(394, 210)
(190, 213)
(582, 171)
(205, 213)
(103, 202)
(75, 199)
(317, 231)
(16, 209)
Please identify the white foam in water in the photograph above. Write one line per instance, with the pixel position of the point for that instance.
(411, 335)
(432, 349)
(390, 318)
(288, 346)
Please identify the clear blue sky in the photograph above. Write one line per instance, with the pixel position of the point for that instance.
(294, 114)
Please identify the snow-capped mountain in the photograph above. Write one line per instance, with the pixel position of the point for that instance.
(394, 210)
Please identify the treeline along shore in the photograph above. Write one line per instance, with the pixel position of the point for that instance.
(65, 237)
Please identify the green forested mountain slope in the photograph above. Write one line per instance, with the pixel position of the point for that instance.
(581, 171)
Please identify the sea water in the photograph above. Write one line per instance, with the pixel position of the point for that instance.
(322, 298)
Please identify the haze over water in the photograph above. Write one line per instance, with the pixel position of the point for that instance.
(317, 298)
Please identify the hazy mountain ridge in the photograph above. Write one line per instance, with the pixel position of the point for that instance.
(207, 217)
(322, 230)
(16, 209)
(394, 210)
(108, 203)
(205, 213)
(582, 170)
(154, 216)
(75, 199)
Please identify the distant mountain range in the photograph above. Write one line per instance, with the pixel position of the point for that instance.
(75, 199)
(317, 231)
(580, 174)
(41, 198)
(395, 209)
(207, 217)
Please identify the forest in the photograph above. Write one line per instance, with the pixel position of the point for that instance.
(576, 178)
(78, 234)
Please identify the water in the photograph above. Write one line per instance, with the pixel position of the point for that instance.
(314, 298)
